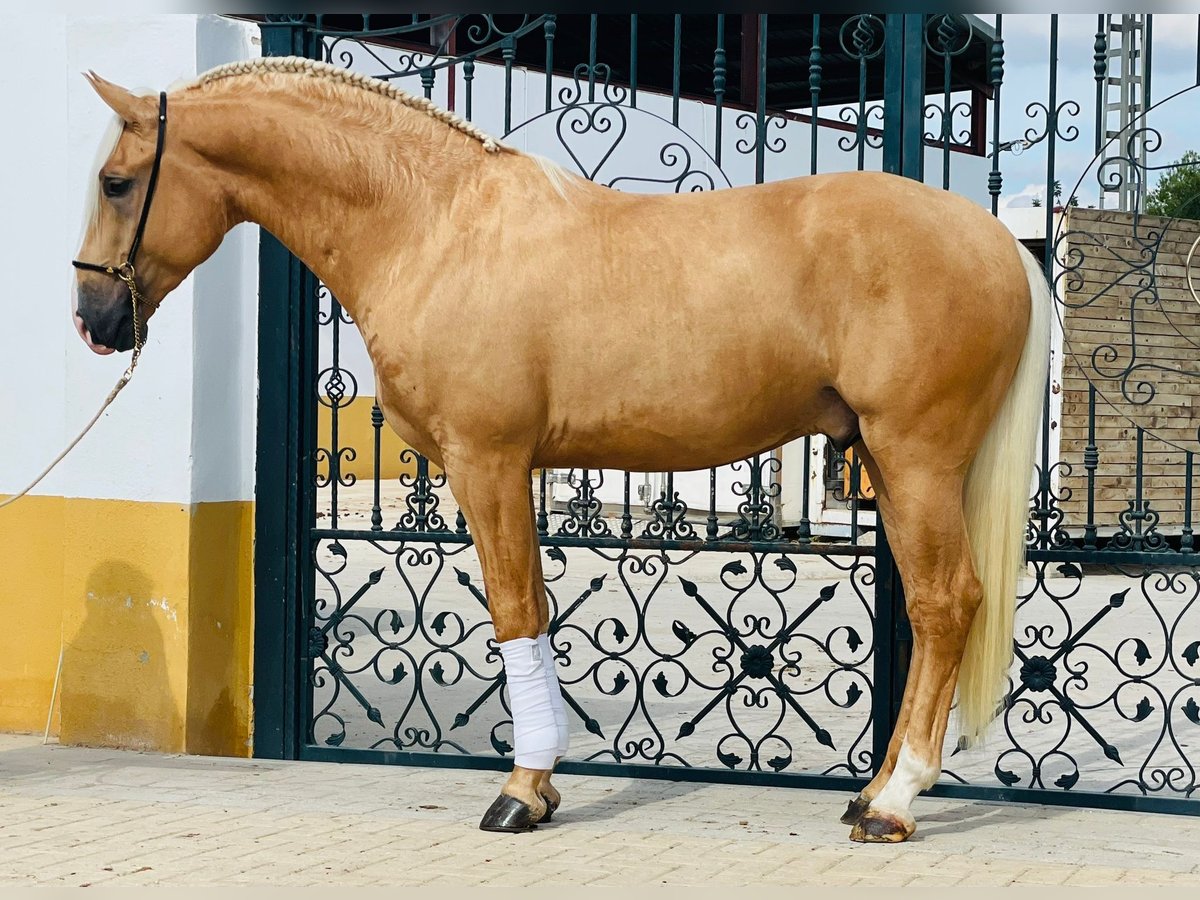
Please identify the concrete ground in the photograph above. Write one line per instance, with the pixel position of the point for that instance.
(72, 816)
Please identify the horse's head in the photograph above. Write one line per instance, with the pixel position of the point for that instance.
(151, 225)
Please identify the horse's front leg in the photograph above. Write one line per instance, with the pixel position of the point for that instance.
(495, 496)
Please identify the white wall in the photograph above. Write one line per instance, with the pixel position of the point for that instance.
(35, 249)
(182, 431)
(225, 315)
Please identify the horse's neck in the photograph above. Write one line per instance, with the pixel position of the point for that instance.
(347, 198)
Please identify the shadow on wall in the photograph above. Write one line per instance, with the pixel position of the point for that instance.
(116, 688)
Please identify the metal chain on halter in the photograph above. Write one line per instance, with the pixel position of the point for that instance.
(126, 274)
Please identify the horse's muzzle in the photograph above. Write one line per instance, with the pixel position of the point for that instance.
(106, 324)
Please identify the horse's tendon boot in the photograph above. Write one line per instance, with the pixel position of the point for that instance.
(510, 815)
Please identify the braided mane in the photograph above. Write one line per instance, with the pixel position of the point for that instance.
(299, 65)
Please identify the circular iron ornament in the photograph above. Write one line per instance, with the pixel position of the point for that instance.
(340, 387)
(949, 34)
(861, 36)
(607, 143)
(1038, 674)
(757, 661)
(1099, 273)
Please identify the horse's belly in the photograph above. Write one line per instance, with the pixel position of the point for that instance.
(693, 432)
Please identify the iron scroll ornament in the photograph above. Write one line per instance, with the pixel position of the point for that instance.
(593, 138)
(1090, 270)
(483, 34)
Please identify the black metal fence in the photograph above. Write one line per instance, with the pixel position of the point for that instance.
(747, 623)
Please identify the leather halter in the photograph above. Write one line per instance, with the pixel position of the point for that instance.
(125, 271)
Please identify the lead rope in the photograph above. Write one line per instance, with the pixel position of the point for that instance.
(127, 275)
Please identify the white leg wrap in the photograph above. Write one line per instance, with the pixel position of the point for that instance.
(556, 697)
(535, 731)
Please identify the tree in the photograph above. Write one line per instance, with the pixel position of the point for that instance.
(1177, 193)
(1056, 187)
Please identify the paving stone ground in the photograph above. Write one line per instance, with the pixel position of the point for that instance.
(73, 816)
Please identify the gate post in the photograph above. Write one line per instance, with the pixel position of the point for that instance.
(904, 95)
(283, 480)
(903, 154)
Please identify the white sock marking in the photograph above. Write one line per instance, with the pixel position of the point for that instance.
(909, 778)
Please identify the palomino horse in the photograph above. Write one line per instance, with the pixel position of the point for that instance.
(488, 284)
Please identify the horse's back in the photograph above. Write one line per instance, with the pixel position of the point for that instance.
(820, 273)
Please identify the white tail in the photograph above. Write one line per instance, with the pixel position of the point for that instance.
(996, 507)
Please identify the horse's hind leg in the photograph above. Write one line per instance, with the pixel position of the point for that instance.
(923, 511)
(495, 496)
(860, 804)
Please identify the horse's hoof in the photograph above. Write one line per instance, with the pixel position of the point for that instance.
(551, 806)
(510, 815)
(878, 827)
(855, 810)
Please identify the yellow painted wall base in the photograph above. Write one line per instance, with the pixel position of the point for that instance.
(151, 604)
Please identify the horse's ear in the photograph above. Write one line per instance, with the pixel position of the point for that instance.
(137, 112)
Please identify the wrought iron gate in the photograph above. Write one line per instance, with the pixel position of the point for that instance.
(747, 623)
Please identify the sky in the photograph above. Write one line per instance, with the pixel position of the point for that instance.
(1026, 73)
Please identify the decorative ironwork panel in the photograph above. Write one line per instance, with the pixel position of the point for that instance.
(1104, 686)
(751, 660)
(729, 624)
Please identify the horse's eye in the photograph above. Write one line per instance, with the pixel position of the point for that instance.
(117, 187)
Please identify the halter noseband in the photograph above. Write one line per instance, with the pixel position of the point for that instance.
(125, 271)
